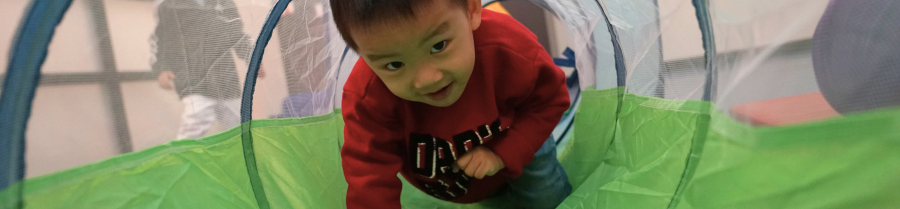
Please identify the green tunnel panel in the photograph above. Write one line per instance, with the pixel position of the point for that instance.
(644, 154)
(298, 159)
(633, 159)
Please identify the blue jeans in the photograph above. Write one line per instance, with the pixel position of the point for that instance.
(543, 183)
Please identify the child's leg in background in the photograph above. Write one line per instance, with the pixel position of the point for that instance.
(543, 183)
(228, 113)
(198, 116)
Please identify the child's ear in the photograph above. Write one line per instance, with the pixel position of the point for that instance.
(474, 9)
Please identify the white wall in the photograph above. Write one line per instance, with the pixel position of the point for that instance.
(680, 33)
(68, 127)
(59, 59)
(738, 25)
(130, 26)
(10, 14)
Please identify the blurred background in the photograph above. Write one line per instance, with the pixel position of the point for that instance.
(101, 93)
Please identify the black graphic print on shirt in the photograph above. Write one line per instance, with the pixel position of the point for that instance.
(433, 158)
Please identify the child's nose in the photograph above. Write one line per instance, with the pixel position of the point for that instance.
(427, 77)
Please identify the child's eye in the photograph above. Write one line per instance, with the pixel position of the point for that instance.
(438, 47)
(394, 65)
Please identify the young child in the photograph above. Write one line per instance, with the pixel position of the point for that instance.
(192, 46)
(459, 101)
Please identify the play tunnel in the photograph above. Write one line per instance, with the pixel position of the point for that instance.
(236, 103)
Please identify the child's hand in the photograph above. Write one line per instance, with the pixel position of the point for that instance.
(480, 162)
(165, 80)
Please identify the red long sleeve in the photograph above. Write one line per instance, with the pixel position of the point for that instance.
(371, 155)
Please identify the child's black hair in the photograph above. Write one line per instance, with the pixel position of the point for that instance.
(362, 13)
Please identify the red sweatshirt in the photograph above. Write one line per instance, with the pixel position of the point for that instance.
(513, 100)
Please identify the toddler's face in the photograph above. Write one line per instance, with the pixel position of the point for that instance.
(425, 59)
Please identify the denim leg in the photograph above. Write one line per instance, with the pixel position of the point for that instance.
(543, 183)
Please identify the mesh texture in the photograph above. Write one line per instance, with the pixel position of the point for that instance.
(101, 92)
(856, 56)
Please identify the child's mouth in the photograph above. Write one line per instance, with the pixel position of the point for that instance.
(441, 94)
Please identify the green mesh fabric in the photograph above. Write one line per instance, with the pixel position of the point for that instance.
(635, 159)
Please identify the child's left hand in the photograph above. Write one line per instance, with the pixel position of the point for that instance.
(480, 162)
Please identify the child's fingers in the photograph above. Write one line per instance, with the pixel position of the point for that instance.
(492, 171)
(482, 171)
(473, 166)
(463, 161)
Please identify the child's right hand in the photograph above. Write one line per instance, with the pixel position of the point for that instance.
(480, 162)
(165, 80)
